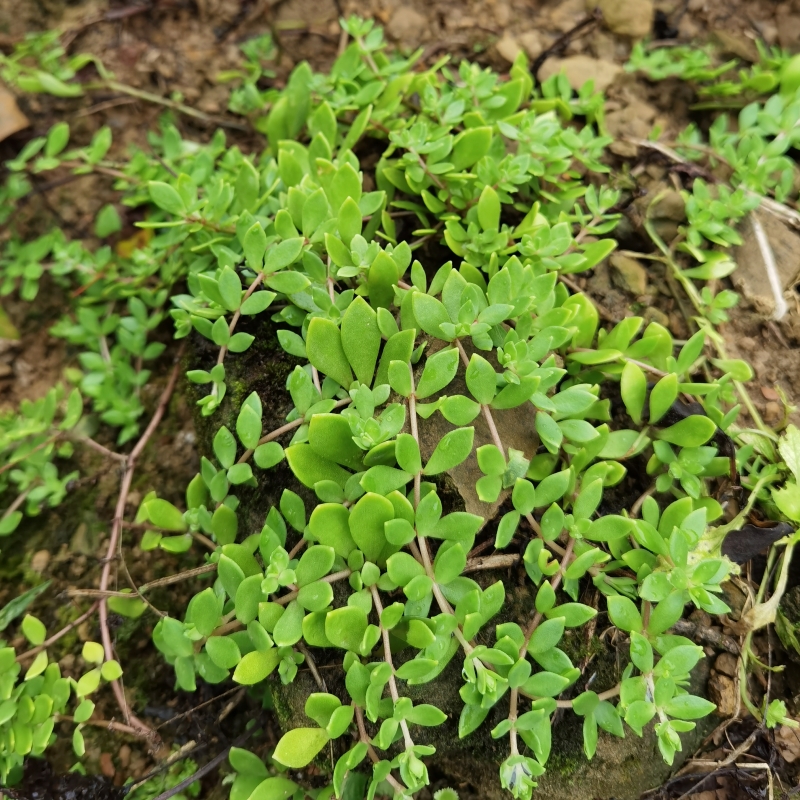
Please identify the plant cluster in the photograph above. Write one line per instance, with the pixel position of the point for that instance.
(32, 703)
(365, 561)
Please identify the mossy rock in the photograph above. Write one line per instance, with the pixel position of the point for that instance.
(621, 768)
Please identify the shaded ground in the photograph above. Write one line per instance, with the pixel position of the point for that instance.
(176, 49)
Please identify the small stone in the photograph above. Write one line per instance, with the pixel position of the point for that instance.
(80, 540)
(769, 393)
(634, 120)
(750, 277)
(406, 24)
(532, 43)
(124, 756)
(580, 69)
(502, 15)
(632, 18)
(566, 13)
(107, 765)
(628, 274)
(508, 47)
(726, 664)
(737, 45)
(772, 412)
(670, 206)
(787, 741)
(39, 561)
(722, 691)
(750, 344)
(653, 314)
(700, 617)
(735, 599)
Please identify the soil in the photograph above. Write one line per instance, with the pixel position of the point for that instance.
(177, 48)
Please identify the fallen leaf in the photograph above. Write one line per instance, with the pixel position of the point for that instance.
(11, 118)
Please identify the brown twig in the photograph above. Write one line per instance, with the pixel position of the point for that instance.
(204, 770)
(104, 451)
(561, 44)
(236, 314)
(108, 724)
(289, 426)
(56, 636)
(114, 542)
(374, 757)
(499, 561)
(709, 636)
(197, 708)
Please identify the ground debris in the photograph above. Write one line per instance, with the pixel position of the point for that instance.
(39, 783)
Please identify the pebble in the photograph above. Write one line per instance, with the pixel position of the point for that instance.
(670, 206)
(628, 274)
(39, 561)
(508, 47)
(653, 314)
(580, 69)
(772, 412)
(124, 756)
(406, 24)
(502, 15)
(722, 691)
(769, 393)
(80, 540)
(107, 765)
(532, 42)
(726, 664)
(632, 18)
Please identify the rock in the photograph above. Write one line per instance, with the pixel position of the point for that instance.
(80, 542)
(735, 598)
(788, 743)
(722, 691)
(567, 13)
(670, 206)
(750, 277)
(633, 18)
(634, 119)
(788, 24)
(502, 15)
(580, 69)
(772, 412)
(124, 756)
(11, 118)
(508, 47)
(107, 765)
(740, 46)
(726, 664)
(622, 769)
(653, 314)
(39, 561)
(406, 25)
(628, 274)
(531, 41)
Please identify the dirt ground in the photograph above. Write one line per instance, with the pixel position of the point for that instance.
(176, 48)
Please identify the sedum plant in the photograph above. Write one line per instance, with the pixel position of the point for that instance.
(33, 700)
(406, 367)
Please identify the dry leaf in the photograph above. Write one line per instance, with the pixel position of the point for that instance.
(11, 118)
